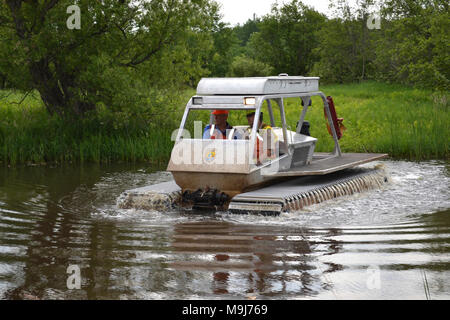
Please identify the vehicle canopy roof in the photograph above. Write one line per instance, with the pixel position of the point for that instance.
(281, 84)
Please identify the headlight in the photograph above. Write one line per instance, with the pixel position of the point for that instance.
(249, 101)
(197, 100)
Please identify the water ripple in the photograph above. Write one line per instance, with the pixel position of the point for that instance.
(373, 245)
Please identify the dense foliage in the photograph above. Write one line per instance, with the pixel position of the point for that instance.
(409, 44)
(121, 50)
(125, 48)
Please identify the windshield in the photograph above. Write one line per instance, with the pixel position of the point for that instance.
(207, 123)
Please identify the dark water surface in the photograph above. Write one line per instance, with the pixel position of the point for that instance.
(385, 244)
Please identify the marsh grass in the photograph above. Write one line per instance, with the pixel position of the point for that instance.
(29, 135)
(407, 123)
(404, 122)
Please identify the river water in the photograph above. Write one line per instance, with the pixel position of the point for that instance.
(384, 244)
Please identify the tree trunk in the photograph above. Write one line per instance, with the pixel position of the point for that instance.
(55, 86)
(55, 90)
(44, 83)
(2, 82)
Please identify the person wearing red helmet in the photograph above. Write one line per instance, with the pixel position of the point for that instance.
(221, 129)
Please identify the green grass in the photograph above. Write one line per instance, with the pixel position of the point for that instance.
(29, 135)
(405, 122)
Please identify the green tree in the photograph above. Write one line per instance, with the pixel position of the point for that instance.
(414, 45)
(225, 47)
(244, 32)
(122, 48)
(345, 51)
(287, 38)
(243, 66)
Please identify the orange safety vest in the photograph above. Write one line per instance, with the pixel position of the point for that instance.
(259, 150)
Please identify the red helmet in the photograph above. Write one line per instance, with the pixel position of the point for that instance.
(220, 112)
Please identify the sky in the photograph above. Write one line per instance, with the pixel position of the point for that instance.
(239, 11)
